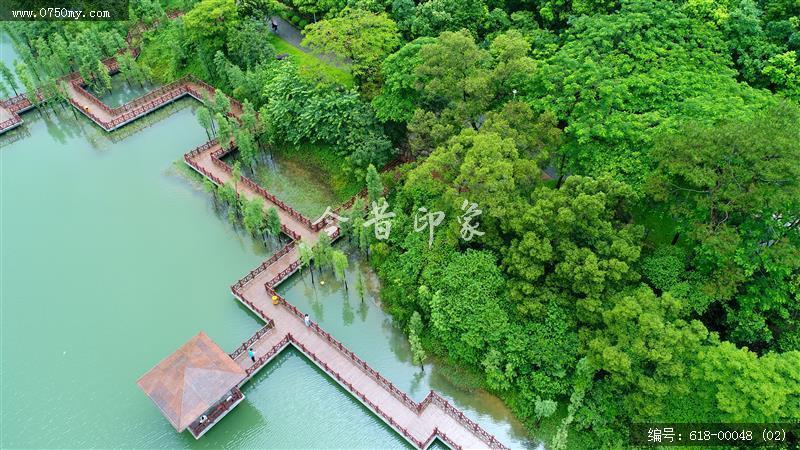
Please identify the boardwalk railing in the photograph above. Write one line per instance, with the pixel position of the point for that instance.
(21, 102)
(197, 428)
(14, 120)
(490, 440)
(263, 266)
(294, 265)
(456, 413)
(189, 159)
(132, 113)
(289, 339)
(236, 105)
(14, 104)
(254, 308)
(268, 355)
(360, 395)
(216, 158)
(249, 342)
(432, 397)
(179, 86)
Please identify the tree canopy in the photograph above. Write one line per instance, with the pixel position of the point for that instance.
(596, 205)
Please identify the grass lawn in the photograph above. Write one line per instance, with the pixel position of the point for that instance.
(309, 63)
(308, 177)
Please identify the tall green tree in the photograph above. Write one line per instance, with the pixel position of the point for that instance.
(374, 185)
(224, 132)
(26, 78)
(363, 37)
(209, 22)
(253, 215)
(433, 17)
(322, 251)
(103, 80)
(8, 77)
(204, 117)
(544, 408)
(247, 44)
(399, 96)
(273, 221)
(466, 308)
(249, 118)
(306, 254)
(222, 104)
(236, 174)
(414, 331)
(455, 77)
(733, 188)
(340, 264)
(577, 241)
(360, 287)
(614, 99)
(743, 387)
(644, 348)
(247, 148)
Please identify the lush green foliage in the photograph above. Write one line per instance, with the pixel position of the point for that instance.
(362, 37)
(298, 111)
(631, 167)
(618, 78)
(734, 190)
(643, 110)
(209, 22)
(49, 50)
(311, 67)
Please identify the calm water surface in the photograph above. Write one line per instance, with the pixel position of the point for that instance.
(8, 55)
(112, 258)
(122, 92)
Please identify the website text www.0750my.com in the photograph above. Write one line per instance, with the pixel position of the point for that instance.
(55, 13)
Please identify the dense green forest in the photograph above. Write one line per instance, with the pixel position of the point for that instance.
(636, 166)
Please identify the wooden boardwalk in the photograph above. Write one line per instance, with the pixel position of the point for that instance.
(9, 112)
(419, 423)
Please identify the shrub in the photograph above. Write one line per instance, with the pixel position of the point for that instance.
(663, 269)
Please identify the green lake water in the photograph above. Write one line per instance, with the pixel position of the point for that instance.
(112, 258)
(122, 92)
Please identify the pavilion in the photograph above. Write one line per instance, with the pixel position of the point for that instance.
(195, 386)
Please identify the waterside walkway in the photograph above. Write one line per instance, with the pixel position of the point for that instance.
(419, 423)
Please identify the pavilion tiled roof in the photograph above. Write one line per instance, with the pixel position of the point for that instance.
(191, 380)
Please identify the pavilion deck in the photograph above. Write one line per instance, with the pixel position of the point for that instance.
(220, 411)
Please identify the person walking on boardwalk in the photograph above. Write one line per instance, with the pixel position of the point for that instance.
(274, 26)
(252, 354)
(307, 320)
